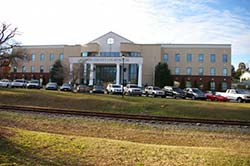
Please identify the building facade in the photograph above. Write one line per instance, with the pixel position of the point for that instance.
(113, 58)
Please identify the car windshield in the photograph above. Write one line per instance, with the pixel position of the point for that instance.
(34, 81)
(197, 91)
(116, 86)
(19, 81)
(240, 91)
(133, 86)
(177, 89)
(4, 80)
(66, 85)
(157, 88)
(98, 87)
(52, 84)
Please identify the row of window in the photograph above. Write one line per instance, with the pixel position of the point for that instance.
(212, 85)
(32, 69)
(201, 71)
(51, 57)
(200, 58)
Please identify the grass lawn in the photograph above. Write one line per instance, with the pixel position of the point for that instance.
(131, 105)
(38, 139)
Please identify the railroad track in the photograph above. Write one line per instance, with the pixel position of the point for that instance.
(124, 116)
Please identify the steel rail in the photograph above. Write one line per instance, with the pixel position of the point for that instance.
(124, 116)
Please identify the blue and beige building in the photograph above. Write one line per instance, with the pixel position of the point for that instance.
(113, 58)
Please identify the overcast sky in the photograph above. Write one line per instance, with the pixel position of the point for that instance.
(141, 21)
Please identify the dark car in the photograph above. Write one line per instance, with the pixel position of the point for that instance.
(97, 89)
(195, 93)
(174, 92)
(66, 87)
(35, 84)
(83, 89)
(51, 86)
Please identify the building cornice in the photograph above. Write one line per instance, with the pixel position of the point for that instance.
(196, 45)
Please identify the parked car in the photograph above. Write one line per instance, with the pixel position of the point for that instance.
(97, 89)
(174, 92)
(213, 96)
(66, 87)
(114, 89)
(195, 93)
(132, 89)
(154, 91)
(83, 89)
(238, 95)
(51, 86)
(33, 84)
(5, 83)
(19, 83)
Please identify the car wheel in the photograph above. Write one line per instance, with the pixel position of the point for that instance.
(239, 100)
(216, 99)
(193, 97)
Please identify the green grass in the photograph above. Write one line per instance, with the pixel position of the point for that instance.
(33, 139)
(131, 105)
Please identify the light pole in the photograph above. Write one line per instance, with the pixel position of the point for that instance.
(123, 57)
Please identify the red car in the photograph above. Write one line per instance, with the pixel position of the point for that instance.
(215, 97)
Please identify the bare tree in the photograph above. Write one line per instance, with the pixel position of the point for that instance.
(10, 52)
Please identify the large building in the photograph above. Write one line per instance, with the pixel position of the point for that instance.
(113, 58)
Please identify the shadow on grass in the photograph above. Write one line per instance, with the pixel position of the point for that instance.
(15, 154)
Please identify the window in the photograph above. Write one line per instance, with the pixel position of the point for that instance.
(51, 56)
(84, 53)
(23, 68)
(41, 69)
(42, 57)
(224, 72)
(165, 57)
(224, 58)
(177, 57)
(25, 58)
(15, 69)
(201, 58)
(212, 71)
(188, 84)
(212, 58)
(200, 71)
(223, 86)
(132, 73)
(189, 70)
(50, 68)
(189, 57)
(177, 70)
(32, 69)
(112, 54)
(61, 56)
(135, 54)
(33, 57)
(212, 85)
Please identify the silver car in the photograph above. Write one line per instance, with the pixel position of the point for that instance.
(5, 83)
(19, 83)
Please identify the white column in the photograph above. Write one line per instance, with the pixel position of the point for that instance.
(140, 75)
(71, 72)
(91, 75)
(70, 69)
(117, 73)
(85, 73)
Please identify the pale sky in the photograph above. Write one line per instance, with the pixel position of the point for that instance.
(141, 21)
